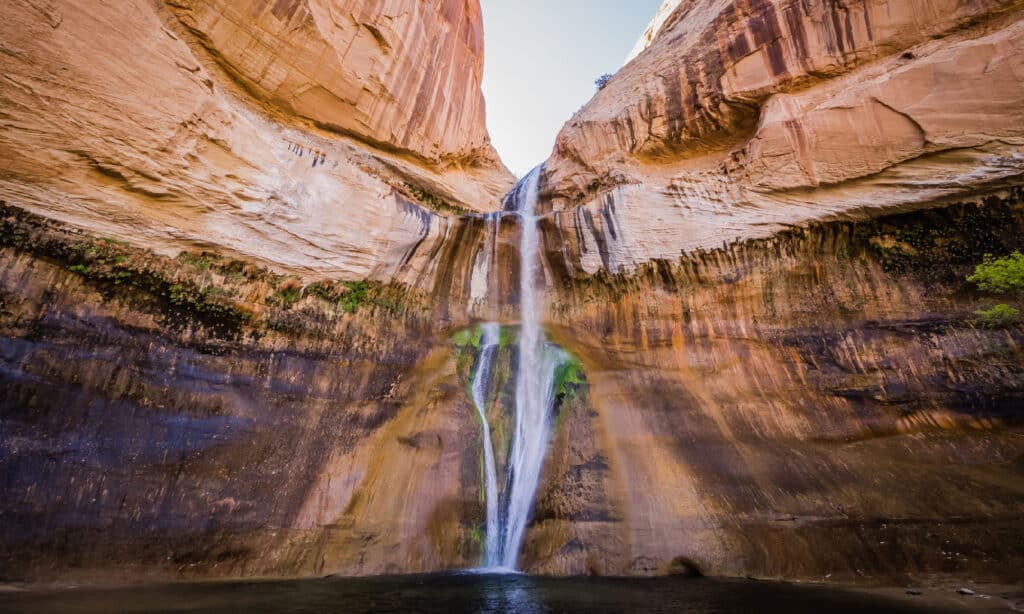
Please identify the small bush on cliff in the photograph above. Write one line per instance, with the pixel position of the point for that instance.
(602, 81)
(288, 293)
(1000, 276)
(202, 261)
(356, 296)
(351, 296)
(468, 337)
(999, 316)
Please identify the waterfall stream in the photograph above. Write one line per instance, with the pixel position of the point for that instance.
(489, 342)
(534, 397)
(534, 383)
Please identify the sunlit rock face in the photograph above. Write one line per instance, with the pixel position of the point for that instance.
(779, 402)
(740, 118)
(125, 122)
(202, 417)
(756, 391)
(403, 75)
(816, 405)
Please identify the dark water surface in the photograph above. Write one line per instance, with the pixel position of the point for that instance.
(459, 593)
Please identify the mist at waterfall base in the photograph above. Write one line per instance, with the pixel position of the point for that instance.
(455, 593)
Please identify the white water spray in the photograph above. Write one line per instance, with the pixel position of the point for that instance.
(534, 398)
(534, 384)
(489, 342)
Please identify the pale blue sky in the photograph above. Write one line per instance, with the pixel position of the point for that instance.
(540, 61)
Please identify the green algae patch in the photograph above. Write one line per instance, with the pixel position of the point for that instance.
(468, 337)
(570, 379)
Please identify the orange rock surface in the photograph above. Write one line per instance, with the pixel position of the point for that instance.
(121, 120)
(743, 116)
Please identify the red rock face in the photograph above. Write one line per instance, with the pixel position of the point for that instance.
(285, 132)
(741, 118)
(402, 76)
(713, 62)
(818, 403)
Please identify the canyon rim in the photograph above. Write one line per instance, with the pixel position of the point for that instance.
(271, 304)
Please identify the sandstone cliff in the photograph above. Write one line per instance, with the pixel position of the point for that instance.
(268, 131)
(743, 117)
(403, 76)
(819, 405)
(756, 243)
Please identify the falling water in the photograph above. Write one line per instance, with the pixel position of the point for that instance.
(534, 384)
(508, 513)
(489, 343)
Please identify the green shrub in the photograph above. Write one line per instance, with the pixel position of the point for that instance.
(323, 290)
(357, 295)
(287, 296)
(999, 316)
(1000, 276)
(468, 337)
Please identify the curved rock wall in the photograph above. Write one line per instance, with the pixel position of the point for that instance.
(817, 405)
(403, 76)
(743, 117)
(202, 417)
(116, 120)
(815, 402)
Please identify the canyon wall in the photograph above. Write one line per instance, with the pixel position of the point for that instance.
(755, 244)
(261, 130)
(743, 117)
(823, 404)
(204, 417)
(403, 76)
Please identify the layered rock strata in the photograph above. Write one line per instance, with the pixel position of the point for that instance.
(760, 393)
(120, 119)
(404, 77)
(741, 118)
(201, 416)
(823, 404)
(819, 405)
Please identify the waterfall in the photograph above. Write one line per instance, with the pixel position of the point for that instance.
(508, 514)
(534, 383)
(489, 342)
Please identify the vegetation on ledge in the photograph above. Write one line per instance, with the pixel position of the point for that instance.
(214, 290)
(999, 276)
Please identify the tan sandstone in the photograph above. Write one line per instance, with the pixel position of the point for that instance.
(742, 117)
(116, 119)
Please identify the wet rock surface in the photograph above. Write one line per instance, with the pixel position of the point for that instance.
(811, 404)
(203, 416)
(820, 405)
(779, 368)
